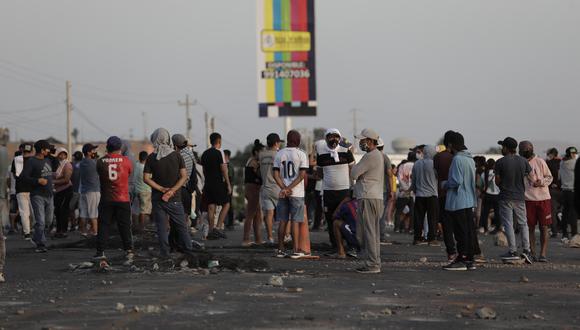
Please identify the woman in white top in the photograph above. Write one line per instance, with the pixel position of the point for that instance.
(490, 198)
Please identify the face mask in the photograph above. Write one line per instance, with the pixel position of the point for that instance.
(332, 143)
(363, 145)
(419, 155)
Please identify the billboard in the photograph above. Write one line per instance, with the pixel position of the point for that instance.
(286, 58)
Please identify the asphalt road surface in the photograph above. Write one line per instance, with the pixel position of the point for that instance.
(252, 289)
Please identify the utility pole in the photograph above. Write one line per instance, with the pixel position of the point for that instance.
(187, 104)
(206, 117)
(287, 125)
(144, 115)
(68, 119)
(354, 129)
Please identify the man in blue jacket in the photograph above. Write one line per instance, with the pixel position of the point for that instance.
(460, 202)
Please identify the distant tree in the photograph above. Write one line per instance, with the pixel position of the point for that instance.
(318, 133)
(493, 151)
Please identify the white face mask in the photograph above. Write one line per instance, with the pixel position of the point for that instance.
(419, 155)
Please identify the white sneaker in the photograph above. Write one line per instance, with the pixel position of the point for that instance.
(297, 255)
(2, 279)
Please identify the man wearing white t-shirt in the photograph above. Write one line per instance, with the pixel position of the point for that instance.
(289, 168)
(335, 162)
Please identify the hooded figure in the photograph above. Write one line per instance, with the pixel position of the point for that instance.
(423, 177)
(162, 143)
(332, 142)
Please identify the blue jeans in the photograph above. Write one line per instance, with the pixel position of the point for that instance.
(508, 210)
(43, 208)
(174, 211)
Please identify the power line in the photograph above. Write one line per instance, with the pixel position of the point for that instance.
(32, 109)
(52, 88)
(89, 121)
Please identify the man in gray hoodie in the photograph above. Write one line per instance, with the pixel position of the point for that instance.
(424, 185)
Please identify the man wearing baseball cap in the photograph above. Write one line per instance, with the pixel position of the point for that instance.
(335, 162)
(114, 171)
(510, 173)
(567, 179)
(182, 146)
(38, 174)
(369, 175)
(90, 190)
(270, 191)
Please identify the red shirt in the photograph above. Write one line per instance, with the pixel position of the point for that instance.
(114, 171)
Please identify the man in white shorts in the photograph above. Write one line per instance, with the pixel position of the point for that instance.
(90, 190)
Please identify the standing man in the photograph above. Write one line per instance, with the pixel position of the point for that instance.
(4, 205)
(510, 173)
(442, 163)
(142, 190)
(388, 190)
(335, 162)
(270, 191)
(567, 179)
(23, 189)
(38, 174)
(369, 175)
(405, 196)
(460, 201)
(90, 190)
(165, 173)
(555, 189)
(229, 223)
(182, 146)
(538, 205)
(217, 187)
(424, 186)
(289, 168)
(114, 171)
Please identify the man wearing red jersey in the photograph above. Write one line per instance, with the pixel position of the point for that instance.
(114, 170)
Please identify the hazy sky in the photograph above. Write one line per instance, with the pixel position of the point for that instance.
(488, 68)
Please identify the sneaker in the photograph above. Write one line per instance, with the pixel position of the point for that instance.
(219, 233)
(434, 243)
(99, 256)
(456, 265)
(451, 257)
(526, 256)
(2, 279)
(542, 259)
(130, 255)
(197, 245)
(212, 236)
(470, 266)
(41, 249)
(479, 259)
(385, 242)
(510, 256)
(297, 255)
(352, 253)
(248, 244)
(27, 237)
(280, 254)
(366, 270)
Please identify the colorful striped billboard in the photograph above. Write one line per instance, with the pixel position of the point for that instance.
(286, 61)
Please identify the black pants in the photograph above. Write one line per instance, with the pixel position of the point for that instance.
(569, 216)
(556, 201)
(120, 212)
(317, 210)
(429, 206)
(332, 199)
(62, 209)
(447, 224)
(400, 204)
(464, 231)
(186, 200)
(490, 202)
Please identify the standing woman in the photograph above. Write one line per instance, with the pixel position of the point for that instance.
(63, 192)
(253, 182)
(490, 198)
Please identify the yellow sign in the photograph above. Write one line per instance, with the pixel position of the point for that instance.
(285, 41)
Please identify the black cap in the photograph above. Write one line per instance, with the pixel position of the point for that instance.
(114, 143)
(42, 145)
(508, 142)
(89, 147)
(552, 151)
(571, 150)
(272, 139)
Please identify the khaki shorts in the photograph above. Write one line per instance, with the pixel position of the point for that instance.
(89, 205)
(144, 202)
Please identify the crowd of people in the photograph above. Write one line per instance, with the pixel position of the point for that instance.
(438, 193)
